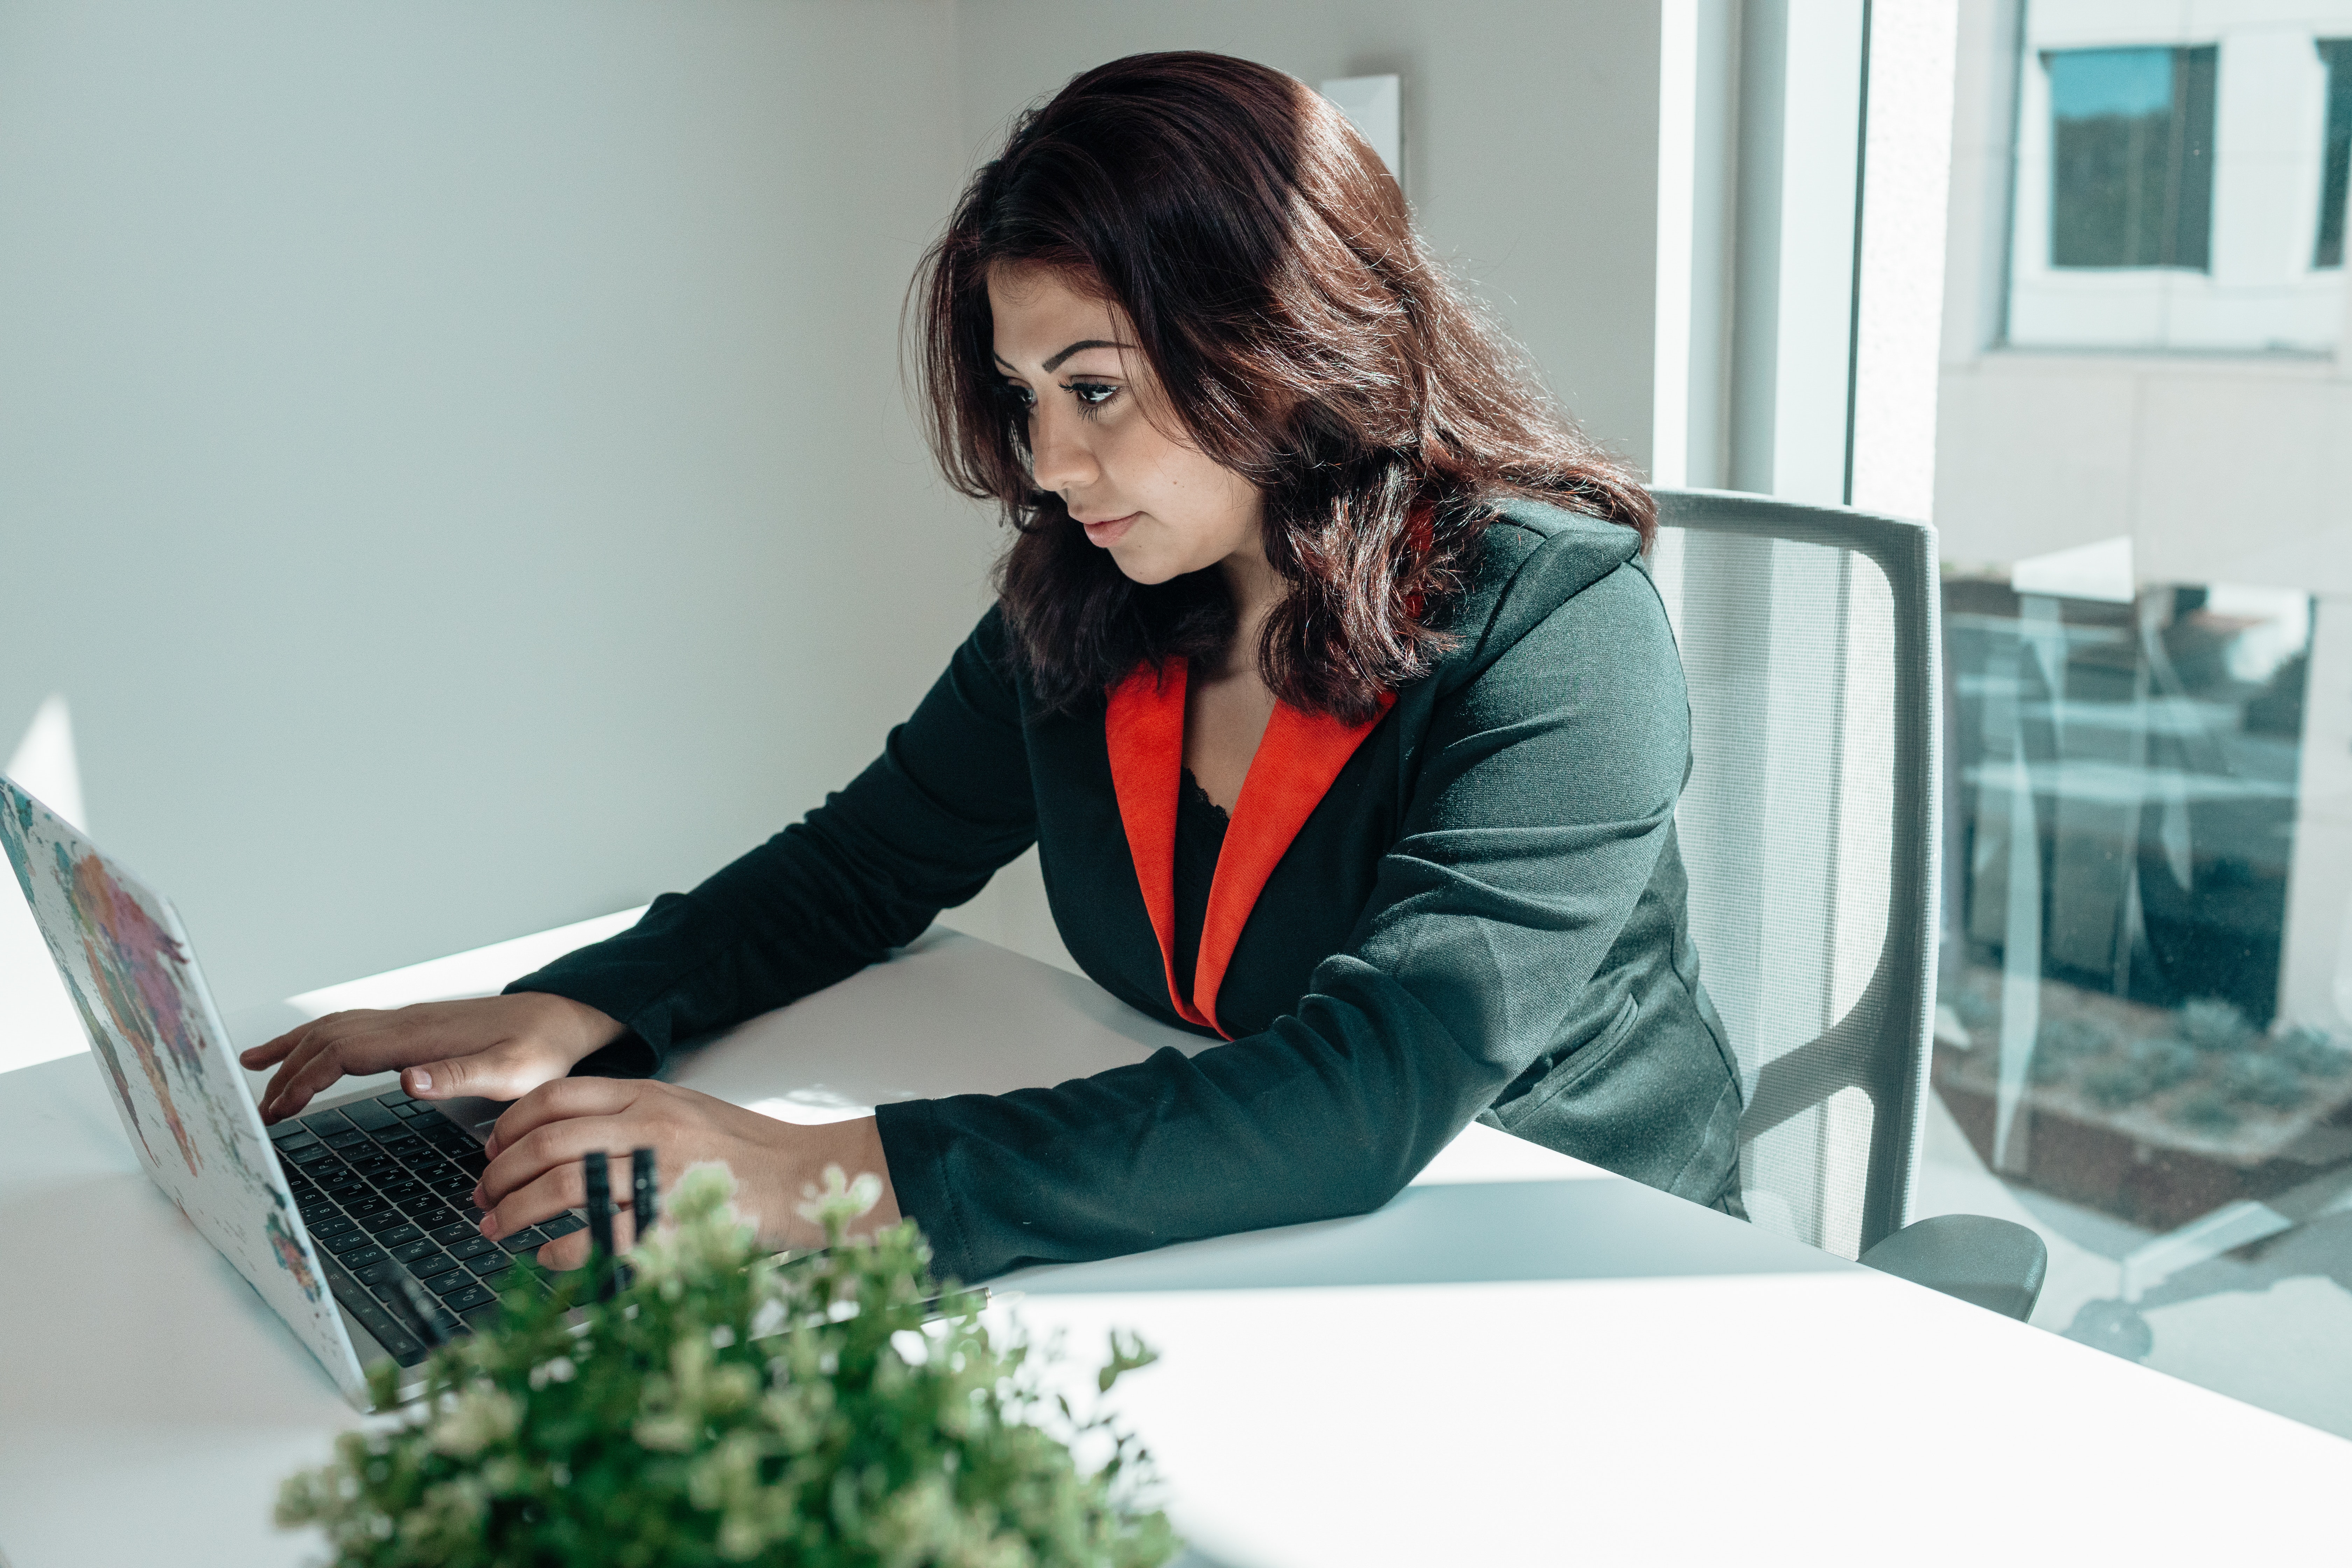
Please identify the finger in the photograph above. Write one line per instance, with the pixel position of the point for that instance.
(559, 1099)
(507, 1071)
(557, 1143)
(272, 1051)
(565, 1252)
(308, 1041)
(361, 1050)
(568, 1252)
(564, 1187)
(365, 1040)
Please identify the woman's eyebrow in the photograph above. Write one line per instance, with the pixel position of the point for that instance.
(1055, 362)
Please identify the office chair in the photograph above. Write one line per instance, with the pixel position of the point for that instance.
(1810, 832)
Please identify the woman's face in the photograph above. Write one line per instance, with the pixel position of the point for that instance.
(1102, 437)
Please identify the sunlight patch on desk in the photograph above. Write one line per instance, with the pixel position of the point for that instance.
(477, 971)
(812, 1107)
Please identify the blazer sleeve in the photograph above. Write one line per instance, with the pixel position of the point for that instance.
(921, 830)
(1545, 797)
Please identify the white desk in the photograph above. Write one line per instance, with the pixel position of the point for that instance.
(1519, 1360)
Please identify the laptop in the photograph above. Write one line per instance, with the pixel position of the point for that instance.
(353, 1220)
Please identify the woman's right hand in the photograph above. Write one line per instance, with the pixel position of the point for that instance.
(498, 1048)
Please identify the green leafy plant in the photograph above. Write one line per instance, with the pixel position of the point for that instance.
(2164, 1061)
(2117, 1084)
(2213, 1024)
(2062, 1044)
(2259, 1079)
(830, 1410)
(2312, 1052)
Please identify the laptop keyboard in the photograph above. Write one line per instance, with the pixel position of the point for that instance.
(386, 1188)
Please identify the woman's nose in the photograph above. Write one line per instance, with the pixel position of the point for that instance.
(1059, 456)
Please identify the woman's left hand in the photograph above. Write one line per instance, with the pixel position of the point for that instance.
(535, 1151)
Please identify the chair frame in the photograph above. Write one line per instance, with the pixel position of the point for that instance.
(1903, 986)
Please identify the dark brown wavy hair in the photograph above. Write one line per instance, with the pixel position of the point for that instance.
(1304, 337)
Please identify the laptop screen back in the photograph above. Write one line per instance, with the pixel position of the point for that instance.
(168, 1064)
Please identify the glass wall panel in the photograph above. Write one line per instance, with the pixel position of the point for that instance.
(2143, 496)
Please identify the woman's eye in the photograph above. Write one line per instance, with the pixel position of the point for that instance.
(1091, 394)
(1018, 395)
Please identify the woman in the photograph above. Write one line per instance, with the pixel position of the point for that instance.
(1322, 673)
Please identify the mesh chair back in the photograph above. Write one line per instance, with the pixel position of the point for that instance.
(1808, 827)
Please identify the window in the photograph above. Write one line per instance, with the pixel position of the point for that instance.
(2337, 55)
(2132, 157)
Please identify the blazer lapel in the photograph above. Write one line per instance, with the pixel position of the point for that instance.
(1144, 730)
(1296, 761)
(1292, 770)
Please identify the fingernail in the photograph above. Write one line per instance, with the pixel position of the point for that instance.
(475, 1199)
(424, 1080)
(490, 1226)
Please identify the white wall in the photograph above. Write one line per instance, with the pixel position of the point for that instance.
(452, 457)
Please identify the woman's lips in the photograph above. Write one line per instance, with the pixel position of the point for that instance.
(1110, 530)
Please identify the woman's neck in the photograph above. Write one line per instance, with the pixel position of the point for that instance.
(1256, 588)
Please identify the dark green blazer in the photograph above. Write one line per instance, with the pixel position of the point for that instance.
(1482, 916)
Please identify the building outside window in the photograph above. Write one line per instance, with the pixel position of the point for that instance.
(2336, 158)
(2172, 176)
(2131, 157)
(2145, 498)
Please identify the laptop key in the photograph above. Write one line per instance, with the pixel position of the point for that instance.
(453, 1282)
(323, 1123)
(381, 1220)
(434, 1265)
(397, 1099)
(409, 1251)
(367, 1113)
(382, 1272)
(491, 1262)
(468, 1298)
(312, 1154)
(343, 1241)
(562, 1224)
(358, 1258)
(476, 1247)
(483, 1318)
(331, 1224)
(522, 1241)
(404, 1347)
(398, 1236)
